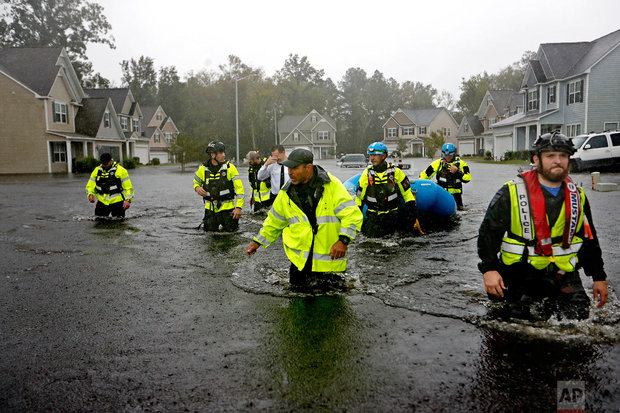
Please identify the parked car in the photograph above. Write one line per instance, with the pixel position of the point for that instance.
(596, 151)
(353, 160)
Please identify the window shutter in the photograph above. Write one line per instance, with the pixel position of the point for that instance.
(581, 91)
(567, 92)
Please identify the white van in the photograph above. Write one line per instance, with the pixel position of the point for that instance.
(596, 151)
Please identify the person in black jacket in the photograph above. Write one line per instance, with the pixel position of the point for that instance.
(536, 234)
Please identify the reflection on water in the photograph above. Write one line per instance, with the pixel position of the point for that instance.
(515, 372)
(316, 359)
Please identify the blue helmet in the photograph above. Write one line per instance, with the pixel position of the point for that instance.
(377, 148)
(448, 149)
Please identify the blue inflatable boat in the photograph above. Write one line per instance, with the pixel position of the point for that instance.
(430, 197)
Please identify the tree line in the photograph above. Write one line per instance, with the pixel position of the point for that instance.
(202, 104)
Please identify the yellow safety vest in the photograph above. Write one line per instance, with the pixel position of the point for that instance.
(224, 187)
(521, 239)
(110, 186)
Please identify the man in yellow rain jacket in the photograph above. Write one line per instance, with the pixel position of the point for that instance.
(316, 217)
(451, 172)
(110, 186)
(219, 184)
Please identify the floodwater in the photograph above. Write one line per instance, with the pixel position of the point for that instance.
(151, 314)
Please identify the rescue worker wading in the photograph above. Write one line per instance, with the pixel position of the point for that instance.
(218, 182)
(261, 190)
(541, 226)
(380, 188)
(316, 217)
(452, 172)
(110, 186)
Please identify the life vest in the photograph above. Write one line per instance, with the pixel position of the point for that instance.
(219, 188)
(382, 192)
(530, 240)
(447, 180)
(107, 182)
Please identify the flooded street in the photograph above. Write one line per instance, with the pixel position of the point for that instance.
(152, 314)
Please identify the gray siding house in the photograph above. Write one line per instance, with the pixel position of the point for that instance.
(313, 131)
(571, 87)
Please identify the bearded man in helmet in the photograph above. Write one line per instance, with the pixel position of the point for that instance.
(536, 234)
(451, 172)
(381, 188)
(218, 182)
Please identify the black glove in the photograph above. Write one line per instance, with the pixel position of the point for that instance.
(413, 209)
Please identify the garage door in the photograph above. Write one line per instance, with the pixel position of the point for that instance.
(142, 152)
(162, 156)
(502, 145)
(466, 148)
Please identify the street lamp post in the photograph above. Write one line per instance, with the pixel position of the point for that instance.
(237, 111)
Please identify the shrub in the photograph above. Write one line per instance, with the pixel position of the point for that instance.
(155, 161)
(86, 164)
(129, 163)
(137, 160)
(488, 155)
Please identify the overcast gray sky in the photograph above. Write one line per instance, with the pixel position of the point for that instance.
(437, 42)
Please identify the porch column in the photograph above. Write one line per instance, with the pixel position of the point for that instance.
(85, 148)
(69, 156)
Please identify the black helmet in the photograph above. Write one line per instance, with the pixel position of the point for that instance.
(216, 147)
(554, 141)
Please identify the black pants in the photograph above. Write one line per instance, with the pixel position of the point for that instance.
(300, 280)
(213, 220)
(116, 209)
(458, 198)
(261, 205)
(377, 225)
(563, 295)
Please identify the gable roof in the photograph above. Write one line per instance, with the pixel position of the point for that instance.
(117, 95)
(419, 117)
(88, 118)
(563, 60)
(35, 67)
(474, 124)
(147, 114)
(289, 122)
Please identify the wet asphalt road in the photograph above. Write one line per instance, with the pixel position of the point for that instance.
(149, 314)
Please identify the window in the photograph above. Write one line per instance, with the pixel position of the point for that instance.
(551, 94)
(156, 137)
(408, 131)
(391, 132)
(59, 152)
(598, 141)
(313, 119)
(296, 137)
(422, 130)
(532, 100)
(446, 131)
(158, 116)
(135, 125)
(610, 126)
(323, 135)
(61, 112)
(168, 137)
(615, 139)
(124, 123)
(492, 121)
(575, 92)
(106, 120)
(573, 130)
(466, 127)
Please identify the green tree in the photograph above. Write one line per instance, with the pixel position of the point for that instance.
(140, 76)
(472, 92)
(433, 143)
(416, 95)
(52, 23)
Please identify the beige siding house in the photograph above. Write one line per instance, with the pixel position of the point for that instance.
(313, 131)
(415, 125)
(42, 98)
